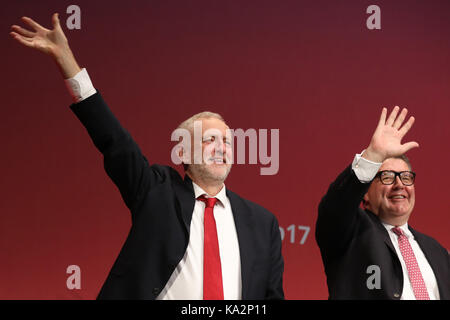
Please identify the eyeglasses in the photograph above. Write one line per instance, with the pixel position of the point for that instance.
(388, 177)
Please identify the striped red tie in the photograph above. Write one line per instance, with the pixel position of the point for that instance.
(415, 276)
(212, 269)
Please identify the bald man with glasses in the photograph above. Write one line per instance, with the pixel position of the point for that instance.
(368, 249)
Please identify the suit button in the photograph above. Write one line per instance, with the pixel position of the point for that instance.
(155, 291)
(396, 295)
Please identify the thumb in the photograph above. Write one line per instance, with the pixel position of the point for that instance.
(55, 20)
(409, 145)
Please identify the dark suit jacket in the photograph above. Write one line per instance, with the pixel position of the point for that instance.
(351, 239)
(161, 203)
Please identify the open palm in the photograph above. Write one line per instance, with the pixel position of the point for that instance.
(51, 42)
(387, 139)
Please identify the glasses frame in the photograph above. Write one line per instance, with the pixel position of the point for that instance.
(397, 174)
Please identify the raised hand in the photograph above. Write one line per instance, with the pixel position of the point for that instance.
(387, 139)
(52, 42)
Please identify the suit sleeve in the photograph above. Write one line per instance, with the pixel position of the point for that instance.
(123, 160)
(275, 287)
(339, 214)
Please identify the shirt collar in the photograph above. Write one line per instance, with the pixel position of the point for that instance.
(221, 196)
(404, 228)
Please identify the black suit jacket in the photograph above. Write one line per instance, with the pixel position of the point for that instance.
(161, 203)
(351, 240)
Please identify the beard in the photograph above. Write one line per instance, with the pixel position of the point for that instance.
(213, 173)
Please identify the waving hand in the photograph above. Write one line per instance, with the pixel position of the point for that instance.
(387, 139)
(52, 42)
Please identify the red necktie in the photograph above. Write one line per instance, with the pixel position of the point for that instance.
(212, 269)
(415, 276)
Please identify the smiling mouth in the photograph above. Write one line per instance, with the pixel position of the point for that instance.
(218, 160)
(397, 197)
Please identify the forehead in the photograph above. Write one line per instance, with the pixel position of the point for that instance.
(394, 164)
(214, 123)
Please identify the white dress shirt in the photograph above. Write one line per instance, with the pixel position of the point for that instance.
(80, 86)
(186, 281)
(366, 171)
(424, 266)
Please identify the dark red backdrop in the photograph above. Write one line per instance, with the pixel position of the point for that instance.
(309, 68)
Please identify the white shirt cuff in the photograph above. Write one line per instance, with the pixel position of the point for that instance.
(364, 169)
(80, 86)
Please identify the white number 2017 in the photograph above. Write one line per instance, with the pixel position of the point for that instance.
(292, 230)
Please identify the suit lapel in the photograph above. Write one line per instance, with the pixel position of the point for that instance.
(186, 201)
(387, 240)
(243, 219)
(396, 278)
(429, 250)
(383, 232)
(431, 253)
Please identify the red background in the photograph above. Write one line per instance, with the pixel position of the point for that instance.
(309, 68)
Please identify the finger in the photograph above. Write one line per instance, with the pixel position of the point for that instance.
(407, 126)
(22, 31)
(382, 117)
(408, 146)
(36, 26)
(23, 40)
(392, 116)
(398, 122)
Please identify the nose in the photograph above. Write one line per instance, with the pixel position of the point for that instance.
(219, 147)
(398, 184)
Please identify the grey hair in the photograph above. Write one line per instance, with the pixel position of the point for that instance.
(405, 159)
(189, 123)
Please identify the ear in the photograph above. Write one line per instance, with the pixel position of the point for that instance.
(182, 154)
(365, 201)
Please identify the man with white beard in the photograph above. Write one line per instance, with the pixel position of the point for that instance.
(191, 237)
